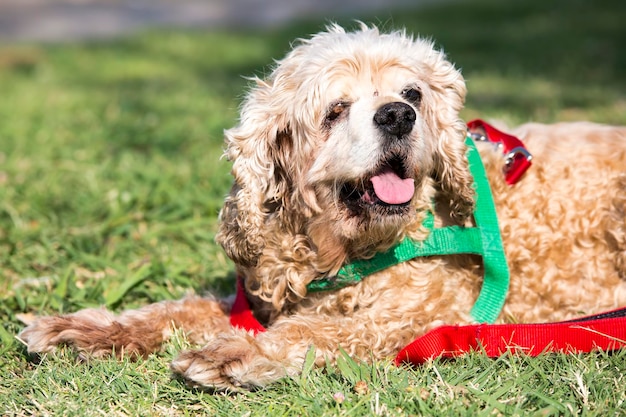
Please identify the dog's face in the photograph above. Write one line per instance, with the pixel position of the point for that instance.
(341, 142)
(375, 147)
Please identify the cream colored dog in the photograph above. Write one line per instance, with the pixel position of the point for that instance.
(338, 155)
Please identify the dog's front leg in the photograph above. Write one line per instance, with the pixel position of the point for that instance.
(98, 332)
(237, 359)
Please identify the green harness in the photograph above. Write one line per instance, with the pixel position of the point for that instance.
(484, 240)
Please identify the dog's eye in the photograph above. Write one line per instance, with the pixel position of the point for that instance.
(335, 110)
(412, 95)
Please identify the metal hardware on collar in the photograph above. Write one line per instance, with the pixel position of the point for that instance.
(477, 136)
(480, 137)
(517, 158)
(511, 157)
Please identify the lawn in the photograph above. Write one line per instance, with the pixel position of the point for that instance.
(111, 180)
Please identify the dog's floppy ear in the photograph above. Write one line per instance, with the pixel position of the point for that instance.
(451, 167)
(259, 185)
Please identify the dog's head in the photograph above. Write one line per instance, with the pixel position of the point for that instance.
(346, 139)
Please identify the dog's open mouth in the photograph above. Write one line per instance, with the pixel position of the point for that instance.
(388, 189)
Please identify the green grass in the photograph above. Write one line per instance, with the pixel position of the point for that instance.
(111, 180)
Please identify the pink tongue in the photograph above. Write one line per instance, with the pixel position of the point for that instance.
(392, 189)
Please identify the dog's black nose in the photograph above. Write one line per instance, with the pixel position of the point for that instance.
(396, 118)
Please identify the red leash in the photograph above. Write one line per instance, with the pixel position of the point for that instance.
(605, 332)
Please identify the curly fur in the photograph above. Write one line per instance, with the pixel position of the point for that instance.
(301, 206)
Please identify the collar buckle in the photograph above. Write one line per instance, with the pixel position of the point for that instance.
(517, 159)
(510, 157)
(516, 162)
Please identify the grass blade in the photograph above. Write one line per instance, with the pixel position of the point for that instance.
(115, 295)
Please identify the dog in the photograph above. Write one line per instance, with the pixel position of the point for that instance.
(338, 155)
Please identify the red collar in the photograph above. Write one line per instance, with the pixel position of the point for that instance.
(241, 315)
(517, 157)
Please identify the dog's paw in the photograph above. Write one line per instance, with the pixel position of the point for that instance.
(230, 362)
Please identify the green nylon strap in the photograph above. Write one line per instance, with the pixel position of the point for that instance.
(484, 240)
(496, 276)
